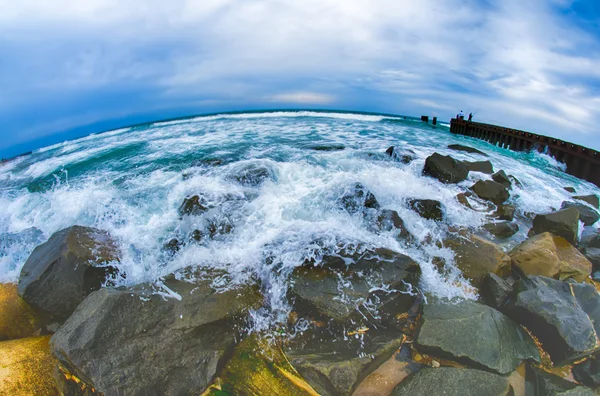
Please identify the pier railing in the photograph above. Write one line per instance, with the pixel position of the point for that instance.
(581, 162)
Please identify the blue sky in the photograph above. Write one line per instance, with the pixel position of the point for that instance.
(72, 68)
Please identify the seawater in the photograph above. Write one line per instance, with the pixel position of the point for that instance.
(131, 182)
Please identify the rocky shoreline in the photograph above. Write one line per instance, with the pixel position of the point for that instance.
(358, 324)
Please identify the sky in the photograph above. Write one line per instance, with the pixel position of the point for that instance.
(70, 68)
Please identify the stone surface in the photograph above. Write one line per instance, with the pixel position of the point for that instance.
(564, 316)
(503, 229)
(590, 238)
(27, 367)
(480, 166)
(150, 339)
(591, 199)
(405, 156)
(476, 257)
(593, 255)
(496, 290)
(491, 191)
(450, 381)
(445, 168)
(252, 174)
(502, 178)
(468, 200)
(543, 383)
(564, 223)
(60, 273)
(17, 319)
(552, 256)
(327, 147)
(467, 149)
(356, 198)
(428, 208)
(570, 189)
(587, 215)
(389, 220)
(192, 206)
(474, 333)
(505, 212)
(588, 372)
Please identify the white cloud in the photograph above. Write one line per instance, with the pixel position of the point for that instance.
(302, 98)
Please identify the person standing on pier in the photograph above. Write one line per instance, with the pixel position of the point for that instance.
(470, 117)
(461, 115)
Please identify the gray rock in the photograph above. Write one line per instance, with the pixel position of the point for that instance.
(564, 223)
(192, 206)
(496, 290)
(570, 189)
(474, 333)
(541, 383)
(405, 156)
(445, 168)
(136, 342)
(590, 237)
(587, 215)
(252, 174)
(450, 381)
(428, 208)
(389, 220)
(467, 149)
(593, 254)
(491, 191)
(564, 316)
(61, 272)
(515, 181)
(588, 372)
(503, 229)
(480, 166)
(356, 198)
(591, 199)
(327, 147)
(502, 178)
(505, 212)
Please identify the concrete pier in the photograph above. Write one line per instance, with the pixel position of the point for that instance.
(581, 162)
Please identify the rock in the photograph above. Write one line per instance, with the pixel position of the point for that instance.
(137, 342)
(480, 166)
(541, 382)
(552, 256)
(197, 235)
(505, 212)
(591, 199)
(209, 161)
(26, 367)
(60, 273)
(587, 215)
(252, 175)
(389, 220)
(343, 284)
(515, 181)
(593, 255)
(445, 168)
(570, 189)
(564, 223)
(451, 381)
(17, 319)
(460, 147)
(356, 198)
(259, 367)
(404, 156)
(474, 333)
(429, 209)
(328, 147)
(476, 257)
(220, 226)
(468, 200)
(496, 290)
(564, 316)
(588, 372)
(173, 246)
(491, 191)
(192, 206)
(503, 229)
(590, 238)
(502, 178)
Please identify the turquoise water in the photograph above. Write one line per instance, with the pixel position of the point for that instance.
(132, 181)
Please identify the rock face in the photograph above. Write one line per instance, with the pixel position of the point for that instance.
(491, 191)
(17, 319)
(564, 316)
(505, 212)
(428, 208)
(588, 372)
(404, 156)
(476, 257)
(136, 342)
(587, 215)
(480, 166)
(60, 273)
(564, 223)
(356, 198)
(343, 282)
(552, 256)
(543, 383)
(590, 238)
(593, 254)
(445, 168)
(389, 220)
(503, 229)
(252, 175)
(474, 333)
(496, 290)
(192, 206)
(450, 381)
(502, 178)
(591, 199)
(467, 149)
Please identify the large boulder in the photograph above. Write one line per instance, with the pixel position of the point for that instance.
(502, 178)
(450, 381)
(480, 166)
(467, 149)
(591, 199)
(445, 168)
(564, 223)
(60, 273)
(564, 316)
(343, 284)
(428, 208)
(505, 212)
(491, 191)
(357, 198)
(168, 339)
(476, 257)
(474, 333)
(17, 319)
(502, 229)
(552, 256)
(587, 215)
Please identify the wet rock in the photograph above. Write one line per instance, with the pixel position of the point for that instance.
(515, 181)
(17, 319)
(209, 161)
(389, 220)
(496, 290)
(587, 215)
(593, 255)
(563, 223)
(480, 166)
(221, 226)
(192, 206)
(476, 257)
(60, 273)
(541, 383)
(173, 246)
(27, 367)
(405, 156)
(328, 147)
(564, 316)
(467, 149)
(153, 340)
(451, 381)
(552, 256)
(252, 175)
(429, 209)
(502, 178)
(197, 235)
(588, 372)
(503, 229)
(570, 189)
(445, 168)
(343, 284)
(590, 238)
(491, 191)
(505, 212)
(591, 199)
(468, 200)
(356, 198)
(474, 333)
